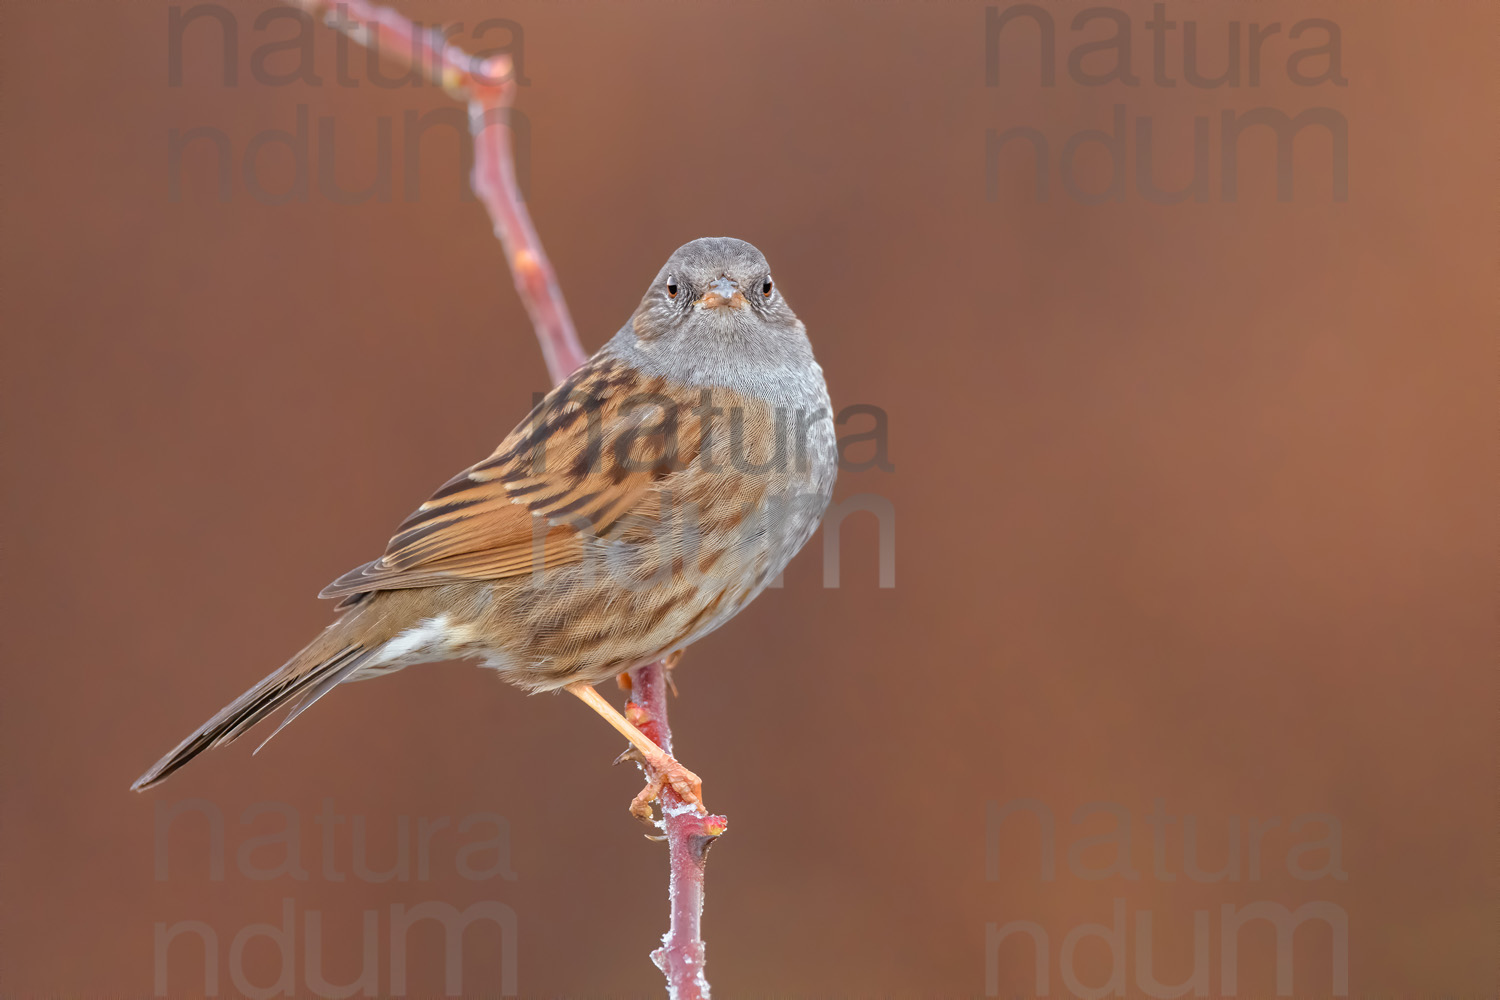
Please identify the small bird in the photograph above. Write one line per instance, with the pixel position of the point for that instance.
(642, 503)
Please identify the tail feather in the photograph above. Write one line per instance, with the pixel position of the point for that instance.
(318, 690)
(293, 680)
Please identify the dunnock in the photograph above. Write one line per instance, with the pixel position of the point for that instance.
(641, 505)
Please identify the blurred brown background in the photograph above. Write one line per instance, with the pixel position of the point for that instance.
(1194, 502)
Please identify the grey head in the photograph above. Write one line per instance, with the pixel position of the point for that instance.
(713, 295)
(717, 284)
(715, 315)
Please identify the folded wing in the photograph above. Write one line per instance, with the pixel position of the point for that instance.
(586, 456)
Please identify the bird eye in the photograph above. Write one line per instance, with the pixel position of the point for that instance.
(765, 289)
(671, 288)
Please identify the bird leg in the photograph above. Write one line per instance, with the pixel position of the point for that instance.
(662, 768)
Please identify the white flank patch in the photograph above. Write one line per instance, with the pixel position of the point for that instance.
(497, 661)
(430, 633)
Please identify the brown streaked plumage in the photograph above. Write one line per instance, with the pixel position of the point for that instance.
(641, 504)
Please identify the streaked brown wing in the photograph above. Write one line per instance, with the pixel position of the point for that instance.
(583, 458)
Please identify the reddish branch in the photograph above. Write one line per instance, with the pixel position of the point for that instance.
(690, 833)
(488, 87)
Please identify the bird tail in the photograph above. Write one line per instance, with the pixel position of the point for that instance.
(306, 677)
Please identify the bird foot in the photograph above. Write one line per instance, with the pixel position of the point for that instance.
(664, 772)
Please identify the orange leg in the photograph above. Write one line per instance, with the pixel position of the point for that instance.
(662, 765)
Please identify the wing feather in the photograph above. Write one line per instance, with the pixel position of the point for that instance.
(586, 456)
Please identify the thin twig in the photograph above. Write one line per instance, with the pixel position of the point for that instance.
(690, 833)
(488, 87)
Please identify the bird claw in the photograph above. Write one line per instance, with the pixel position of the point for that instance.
(668, 665)
(629, 753)
(665, 772)
(640, 806)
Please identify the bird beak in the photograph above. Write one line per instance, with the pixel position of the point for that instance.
(723, 292)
